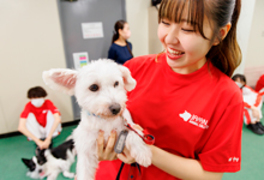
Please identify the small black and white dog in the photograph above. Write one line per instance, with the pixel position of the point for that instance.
(50, 162)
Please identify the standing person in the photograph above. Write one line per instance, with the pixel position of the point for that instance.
(185, 96)
(121, 50)
(40, 120)
(252, 105)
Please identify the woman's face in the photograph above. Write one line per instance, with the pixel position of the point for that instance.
(185, 48)
(125, 32)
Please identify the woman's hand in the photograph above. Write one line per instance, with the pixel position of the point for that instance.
(255, 112)
(106, 153)
(43, 144)
(46, 143)
(40, 144)
(126, 157)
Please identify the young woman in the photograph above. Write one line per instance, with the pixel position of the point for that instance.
(121, 49)
(185, 97)
(40, 120)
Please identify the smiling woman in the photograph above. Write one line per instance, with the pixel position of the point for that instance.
(190, 20)
(185, 97)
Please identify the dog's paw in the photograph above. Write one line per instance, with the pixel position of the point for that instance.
(143, 156)
(140, 151)
(68, 174)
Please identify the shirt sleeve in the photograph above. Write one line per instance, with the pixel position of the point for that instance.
(112, 53)
(247, 105)
(52, 107)
(222, 152)
(26, 111)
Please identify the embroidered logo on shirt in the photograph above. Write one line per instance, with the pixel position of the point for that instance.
(194, 119)
(44, 111)
(233, 159)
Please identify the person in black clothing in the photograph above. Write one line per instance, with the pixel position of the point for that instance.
(120, 50)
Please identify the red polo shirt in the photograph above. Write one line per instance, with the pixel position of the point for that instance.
(41, 112)
(197, 115)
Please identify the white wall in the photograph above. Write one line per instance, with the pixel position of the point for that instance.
(137, 17)
(244, 30)
(155, 46)
(254, 64)
(31, 42)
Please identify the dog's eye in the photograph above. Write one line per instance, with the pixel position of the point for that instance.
(116, 84)
(94, 87)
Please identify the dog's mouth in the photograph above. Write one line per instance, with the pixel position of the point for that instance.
(41, 173)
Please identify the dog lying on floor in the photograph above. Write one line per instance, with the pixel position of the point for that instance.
(50, 162)
(100, 89)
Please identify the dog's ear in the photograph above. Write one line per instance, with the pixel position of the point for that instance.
(63, 80)
(28, 162)
(129, 82)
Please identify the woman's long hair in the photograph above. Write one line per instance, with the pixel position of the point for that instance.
(120, 25)
(226, 56)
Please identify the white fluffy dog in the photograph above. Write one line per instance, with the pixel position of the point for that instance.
(100, 89)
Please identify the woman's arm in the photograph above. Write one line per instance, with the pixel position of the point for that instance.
(23, 129)
(57, 121)
(181, 167)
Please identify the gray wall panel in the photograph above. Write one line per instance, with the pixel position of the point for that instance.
(73, 14)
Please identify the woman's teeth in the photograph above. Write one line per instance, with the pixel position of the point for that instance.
(175, 52)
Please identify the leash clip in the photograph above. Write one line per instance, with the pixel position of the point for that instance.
(145, 136)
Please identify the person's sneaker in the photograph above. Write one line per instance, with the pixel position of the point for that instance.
(260, 125)
(255, 128)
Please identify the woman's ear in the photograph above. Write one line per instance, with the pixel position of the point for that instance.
(222, 33)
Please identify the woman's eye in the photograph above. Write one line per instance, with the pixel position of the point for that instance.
(164, 22)
(94, 87)
(188, 30)
(116, 84)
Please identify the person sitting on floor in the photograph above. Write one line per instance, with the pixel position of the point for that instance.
(253, 104)
(40, 120)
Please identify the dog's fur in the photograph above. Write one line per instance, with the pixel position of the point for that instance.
(50, 162)
(100, 89)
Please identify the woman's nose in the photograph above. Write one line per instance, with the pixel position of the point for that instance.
(172, 36)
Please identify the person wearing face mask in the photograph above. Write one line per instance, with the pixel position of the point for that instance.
(252, 105)
(40, 120)
(120, 50)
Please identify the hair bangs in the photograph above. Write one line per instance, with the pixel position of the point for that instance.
(191, 11)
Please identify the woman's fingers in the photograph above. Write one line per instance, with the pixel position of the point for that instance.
(109, 150)
(106, 153)
(126, 157)
(100, 145)
(111, 143)
(138, 127)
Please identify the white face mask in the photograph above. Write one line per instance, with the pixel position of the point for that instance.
(38, 102)
(239, 84)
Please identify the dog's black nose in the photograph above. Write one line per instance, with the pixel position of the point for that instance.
(115, 108)
(40, 171)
